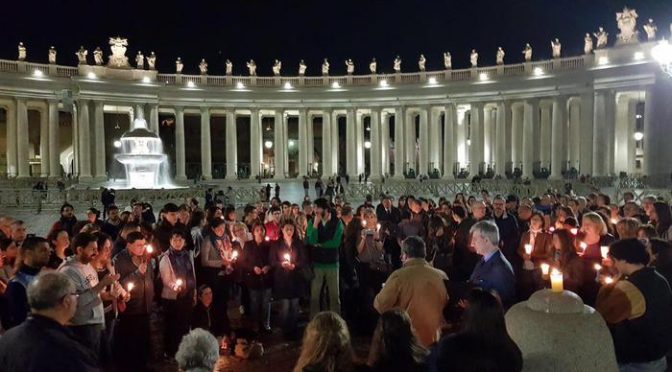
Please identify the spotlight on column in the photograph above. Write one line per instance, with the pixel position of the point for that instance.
(268, 144)
(662, 53)
(468, 142)
(335, 85)
(367, 144)
(638, 116)
(116, 144)
(290, 143)
(191, 84)
(287, 85)
(91, 75)
(432, 81)
(146, 80)
(240, 85)
(38, 73)
(538, 71)
(638, 136)
(483, 76)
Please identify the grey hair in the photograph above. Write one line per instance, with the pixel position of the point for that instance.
(414, 247)
(488, 230)
(198, 351)
(48, 289)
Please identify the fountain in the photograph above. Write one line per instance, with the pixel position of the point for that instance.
(142, 155)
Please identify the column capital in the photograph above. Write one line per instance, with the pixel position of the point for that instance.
(205, 109)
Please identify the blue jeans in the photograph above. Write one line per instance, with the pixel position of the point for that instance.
(289, 314)
(260, 310)
(659, 365)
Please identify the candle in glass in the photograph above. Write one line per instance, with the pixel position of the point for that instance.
(528, 249)
(287, 258)
(574, 231)
(608, 280)
(583, 246)
(234, 255)
(556, 281)
(178, 283)
(149, 249)
(597, 268)
(130, 286)
(544, 269)
(604, 250)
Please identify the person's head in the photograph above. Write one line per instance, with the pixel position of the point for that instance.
(178, 238)
(326, 344)
(230, 214)
(92, 215)
(627, 227)
(630, 209)
(113, 212)
(346, 214)
(387, 202)
(288, 229)
(52, 295)
(19, 231)
(60, 239)
(413, 247)
(647, 232)
(198, 351)
(322, 207)
(369, 218)
(628, 255)
(512, 202)
(563, 242)
(537, 221)
(484, 237)
(218, 226)
(128, 228)
(8, 248)
(275, 213)
(135, 243)
(286, 208)
(307, 207)
(484, 316)
(6, 225)
(34, 252)
(525, 212)
(250, 212)
(478, 209)
(593, 224)
(660, 213)
(459, 213)
(415, 205)
(239, 230)
(170, 213)
(67, 210)
(647, 204)
(104, 247)
(205, 295)
(498, 206)
(85, 246)
(258, 232)
(397, 345)
(184, 214)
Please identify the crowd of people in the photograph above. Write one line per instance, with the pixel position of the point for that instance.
(429, 282)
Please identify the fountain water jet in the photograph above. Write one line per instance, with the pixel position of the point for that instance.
(143, 157)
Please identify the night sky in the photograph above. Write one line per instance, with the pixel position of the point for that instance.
(291, 30)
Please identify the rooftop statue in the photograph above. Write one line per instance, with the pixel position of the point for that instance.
(325, 67)
(587, 44)
(373, 66)
(229, 67)
(556, 48)
(302, 68)
(52, 55)
(421, 62)
(627, 22)
(179, 65)
(397, 64)
(447, 60)
(98, 56)
(601, 37)
(277, 66)
(203, 67)
(252, 68)
(650, 29)
(81, 55)
(350, 66)
(473, 58)
(527, 52)
(118, 58)
(22, 52)
(140, 60)
(151, 61)
(500, 56)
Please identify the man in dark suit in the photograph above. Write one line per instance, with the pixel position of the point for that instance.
(493, 272)
(386, 212)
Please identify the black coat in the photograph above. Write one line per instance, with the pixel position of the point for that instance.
(288, 284)
(41, 344)
(255, 255)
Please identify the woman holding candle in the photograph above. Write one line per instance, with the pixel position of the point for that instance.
(215, 247)
(178, 295)
(257, 278)
(535, 248)
(570, 264)
(595, 236)
(288, 258)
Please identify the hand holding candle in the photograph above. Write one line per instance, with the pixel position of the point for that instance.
(604, 250)
(178, 284)
(287, 257)
(556, 281)
(608, 280)
(574, 231)
(544, 269)
(149, 249)
(234, 255)
(583, 246)
(130, 286)
(528, 249)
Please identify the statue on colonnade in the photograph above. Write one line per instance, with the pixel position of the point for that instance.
(179, 65)
(527, 52)
(350, 66)
(98, 56)
(397, 64)
(500, 56)
(422, 62)
(140, 61)
(229, 67)
(81, 55)
(52, 55)
(302, 68)
(325, 67)
(601, 37)
(473, 58)
(151, 61)
(373, 66)
(447, 60)
(252, 67)
(203, 67)
(277, 66)
(556, 48)
(587, 44)
(118, 58)
(650, 29)
(627, 22)
(22, 52)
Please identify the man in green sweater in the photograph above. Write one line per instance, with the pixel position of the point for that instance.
(323, 236)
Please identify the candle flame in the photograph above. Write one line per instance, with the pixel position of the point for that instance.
(363, 223)
(551, 229)
(130, 286)
(528, 249)
(267, 238)
(287, 257)
(378, 226)
(605, 251)
(574, 231)
(583, 245)
(178, 282)
(234, 255)
(597, 267)
(544, 268)
(608, 280)
(149, 249)
(555, 271)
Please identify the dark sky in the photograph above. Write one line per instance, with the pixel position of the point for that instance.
(290, 30)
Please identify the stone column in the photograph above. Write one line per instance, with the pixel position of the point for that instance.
(423, 148)
(410, 140)
(516, 134)
(154, 118)
(500, 141)
(599, 135)
(232, 146)
(375, 145)
(10, 112)
(44, 143)
(530, 120)
(54, 153)
(622, 134)
(545, 135)
(399, 157)
(461, 139)
(256, 151)
(303, 143)
(327, 163)
(310, 148)
(139, 112)
(22, 138)
(206, 151)
(385, 142)
(279, 143)
(180, 158)
(335, 142)
(632, 128)
(84, 134)
(450, 149)
(610, 122)
(99, 135)
(476, 151)
(487, 137)
(657, 149)
(434, 139)
(285, 142)
(350, 144)
(359, 136)
(558, 123)
(586, 133)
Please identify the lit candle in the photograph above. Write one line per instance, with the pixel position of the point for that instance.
(544, 268)
(574, 231)
(608, 280)
(130, 286)
(287, 257)
(528, 249)
(583, 246)
(178, 283)
(267, 238)
(234, 255)
(551, 229)
(597, 268)
(149, 249)
(556, 280)
(363, 223)
(378, 227)
(605, 251)
(614, 221)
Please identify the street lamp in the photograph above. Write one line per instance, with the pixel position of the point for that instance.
(662, 53)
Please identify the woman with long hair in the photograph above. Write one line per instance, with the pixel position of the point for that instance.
(483, 343)
(571, 265)
(662, 218)
(256, 276)
(326, 345)
(59, 242)
(395, 347)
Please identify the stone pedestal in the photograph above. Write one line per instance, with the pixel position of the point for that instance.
(557, 332)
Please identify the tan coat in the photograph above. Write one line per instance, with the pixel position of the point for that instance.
(419, 289)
